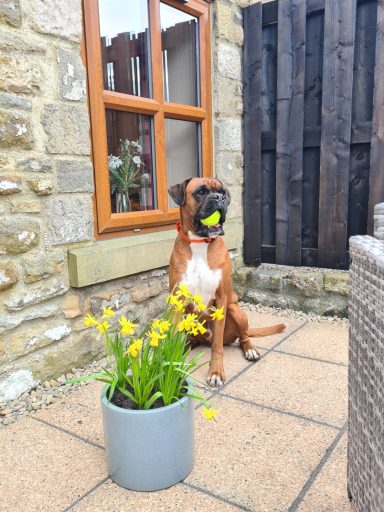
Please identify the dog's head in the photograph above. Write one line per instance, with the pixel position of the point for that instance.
(199, 198)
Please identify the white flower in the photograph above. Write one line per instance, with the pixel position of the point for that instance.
(114, 162)
(137, 160)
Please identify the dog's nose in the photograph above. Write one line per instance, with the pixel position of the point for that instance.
(216, 196)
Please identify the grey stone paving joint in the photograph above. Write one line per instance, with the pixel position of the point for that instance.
(296, 503)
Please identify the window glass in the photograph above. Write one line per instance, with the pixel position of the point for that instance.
(182, 142)
(130, 161)
(179, 36)
(125, 46)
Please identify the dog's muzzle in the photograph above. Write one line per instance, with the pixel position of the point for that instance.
(213, 202)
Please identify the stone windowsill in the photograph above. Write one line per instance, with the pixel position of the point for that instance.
(113, 259)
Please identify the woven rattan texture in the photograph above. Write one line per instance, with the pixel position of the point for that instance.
(379, 221)
(366, 375)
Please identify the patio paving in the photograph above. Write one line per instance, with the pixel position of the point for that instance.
(279, 443)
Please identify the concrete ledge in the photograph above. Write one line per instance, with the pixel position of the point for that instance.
(318, 290)
(112, 259)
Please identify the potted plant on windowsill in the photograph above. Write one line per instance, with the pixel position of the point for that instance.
(147, 407)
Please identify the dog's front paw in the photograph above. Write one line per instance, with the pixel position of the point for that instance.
(251, 354)
(215, 380)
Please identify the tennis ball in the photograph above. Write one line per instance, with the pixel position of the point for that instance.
(212, 219)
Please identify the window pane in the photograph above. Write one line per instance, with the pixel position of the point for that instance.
(130, 161)
(179, 37)
(182, 142)
(125, 46)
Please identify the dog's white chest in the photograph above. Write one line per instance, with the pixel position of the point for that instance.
(200, 279)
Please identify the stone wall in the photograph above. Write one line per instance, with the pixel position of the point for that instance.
(318, 290)
(46, 187)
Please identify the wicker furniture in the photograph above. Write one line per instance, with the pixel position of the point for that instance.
(366, 370)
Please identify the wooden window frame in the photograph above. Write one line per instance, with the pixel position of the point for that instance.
(108, 224)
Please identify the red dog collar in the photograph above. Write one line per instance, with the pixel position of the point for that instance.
(185, 237)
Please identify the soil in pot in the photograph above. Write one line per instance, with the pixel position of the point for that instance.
(123, 401)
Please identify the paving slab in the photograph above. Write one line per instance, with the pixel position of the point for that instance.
(328, 492)
(313, 389)
(320, 341)
(257, 458)
(79, 412)
(43, 469)
(109, 497)
(234, 361)
(265, 320)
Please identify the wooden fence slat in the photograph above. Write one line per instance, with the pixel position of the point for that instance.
(339, 34)
(376, 177)
(289, 130)
(252, 133)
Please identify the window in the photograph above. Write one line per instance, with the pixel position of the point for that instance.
(149, 92)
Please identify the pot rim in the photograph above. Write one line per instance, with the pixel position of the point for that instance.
(158, 410)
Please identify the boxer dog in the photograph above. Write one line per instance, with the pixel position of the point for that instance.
(201, 261)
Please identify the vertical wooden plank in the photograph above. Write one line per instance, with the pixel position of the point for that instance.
(252, 133)
(289, 131)
(339, 35)
(376, 178)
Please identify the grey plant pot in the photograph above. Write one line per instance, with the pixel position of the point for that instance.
(149, 450)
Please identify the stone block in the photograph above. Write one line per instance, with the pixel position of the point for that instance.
(229, 61)
(74, 176)
(18, 235)
(142, 293)
(67, 129)
(70, 218)
(15, 384)
(35, 296)
(10, 12)
(25, 206)
(228, 97)
(14, 101)
(41, 186)
(224, 21)
(35, 165)
(58, 332)
(41, 265)
(74, 352)
(15, 130)
(8, 275)
(337, 282)
(64, 20)
(229, 134)
(307, 285)
(10, 185)
(19, 75)
(43, 310)
(71, 306)
(10, 41)
(71, 76)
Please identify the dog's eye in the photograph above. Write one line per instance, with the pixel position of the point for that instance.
(201, 192)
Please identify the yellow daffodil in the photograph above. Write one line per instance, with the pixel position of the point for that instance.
(187, 323)
(108, 312)
(183, 291)
(127, 326)
(135, 347)
(217, 314)
(162, 325)
(90, 321)
(103, 326)
(198, 328)
(198, 301)
(174, 301)
(155, 337)
(209, 414)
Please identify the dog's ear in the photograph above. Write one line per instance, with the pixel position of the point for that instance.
(177, 192)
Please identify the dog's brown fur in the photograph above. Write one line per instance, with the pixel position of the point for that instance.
(235, 323)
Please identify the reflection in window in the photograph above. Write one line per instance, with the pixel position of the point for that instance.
(131, 171)
(182, 142)
(179, 36)
(125, 46)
